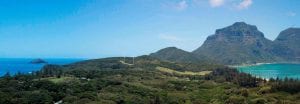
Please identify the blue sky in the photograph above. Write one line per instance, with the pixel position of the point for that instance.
(105, 28)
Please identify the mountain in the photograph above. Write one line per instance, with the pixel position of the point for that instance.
(240, 43)
(174, 54)
(287, 44)
(237, 44)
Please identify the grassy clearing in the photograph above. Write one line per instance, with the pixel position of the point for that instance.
(167, 70)
(123, 62)
(59, 80)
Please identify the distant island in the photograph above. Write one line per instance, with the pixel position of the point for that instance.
(38, 61)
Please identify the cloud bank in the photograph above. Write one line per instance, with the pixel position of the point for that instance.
(244, 4)
(184, 4)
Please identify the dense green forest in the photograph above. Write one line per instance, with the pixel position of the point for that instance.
(120, 81)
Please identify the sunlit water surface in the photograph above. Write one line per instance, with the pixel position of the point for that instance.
(268, 71)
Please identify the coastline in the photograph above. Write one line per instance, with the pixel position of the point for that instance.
(246, 65)
(259, 70)
(256, 64)
(23, 65)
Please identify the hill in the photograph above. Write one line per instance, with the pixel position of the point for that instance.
(174, 54)
(141, 62)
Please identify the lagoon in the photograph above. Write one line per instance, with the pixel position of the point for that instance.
(267, 71)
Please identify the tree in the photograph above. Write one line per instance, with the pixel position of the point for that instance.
(5, 98)
(40, 98)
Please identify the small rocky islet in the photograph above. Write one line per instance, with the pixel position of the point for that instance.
(38, 61)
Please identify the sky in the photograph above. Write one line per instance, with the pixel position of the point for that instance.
(109, 28)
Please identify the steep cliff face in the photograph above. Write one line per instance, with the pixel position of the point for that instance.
(236, 44)
(287, 44)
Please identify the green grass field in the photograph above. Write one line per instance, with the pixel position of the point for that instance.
(60, 80)
(167, 70)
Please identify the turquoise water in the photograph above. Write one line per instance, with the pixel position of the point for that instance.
(23, 65)
(273, 70)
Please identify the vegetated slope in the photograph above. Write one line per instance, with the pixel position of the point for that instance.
(141, 62)
(101, 64)
(174, 54)
(237, 44)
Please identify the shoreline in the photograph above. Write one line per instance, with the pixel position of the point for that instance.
(245, 65)
(263, 76)
(256, 64)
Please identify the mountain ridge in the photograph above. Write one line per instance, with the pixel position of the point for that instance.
(239, 43)
(288, 40)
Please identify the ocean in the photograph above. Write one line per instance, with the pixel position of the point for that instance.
(23, 65)
(267, 71)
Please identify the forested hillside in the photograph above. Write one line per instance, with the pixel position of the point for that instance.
(147, 81)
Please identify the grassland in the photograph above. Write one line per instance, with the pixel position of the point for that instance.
(171, 71)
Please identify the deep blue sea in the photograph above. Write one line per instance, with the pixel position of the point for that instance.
(273, 70)
(23, 65)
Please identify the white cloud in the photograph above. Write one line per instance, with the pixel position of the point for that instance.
(244, 4)
(291, 14)
(171, 38)
(178, 6)
(229, 4)
(216, 3)
(181, 5)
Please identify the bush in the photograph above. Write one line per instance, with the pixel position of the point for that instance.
(259, 101)
(235, 100)
(264, 90)
(40, 98)
(244, 92)
(4, 98)
(88, 95)
(70, 99)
